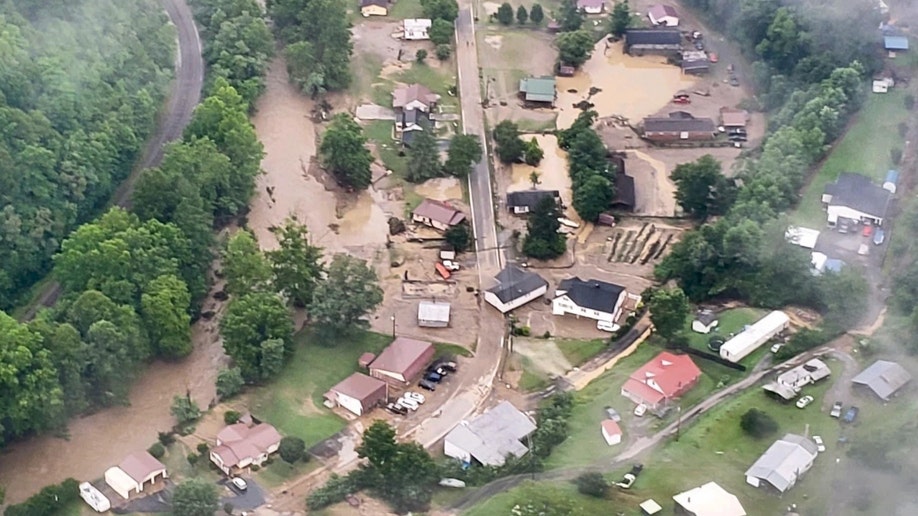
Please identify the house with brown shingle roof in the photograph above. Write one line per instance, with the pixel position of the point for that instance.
(437, 214)
(358, 393)
(240, 446)
(414, 96)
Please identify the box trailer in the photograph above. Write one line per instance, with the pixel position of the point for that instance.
(747, 341)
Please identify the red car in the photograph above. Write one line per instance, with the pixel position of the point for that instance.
(712, 57)
(868, 230)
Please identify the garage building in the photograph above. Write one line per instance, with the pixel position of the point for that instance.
(358, 393)
(136, 471)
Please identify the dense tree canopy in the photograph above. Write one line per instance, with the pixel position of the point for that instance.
(668, 311)
(349, 291)
(620, 18)
(464, 151)
(574, 48)
(510, 147)
(701, 188)
(297, 264)
(447, 10)
(79, 94)
(423, 158)
(252, 327)
(589, 167)
(344, 153)
(195, 498)
(318, 36)
(543, 241)
(403, 474)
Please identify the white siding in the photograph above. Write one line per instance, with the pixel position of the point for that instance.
(750, 339)
(701, 328)
(389, 374)
(451, 450)
(834, 212)
(753, 481)
(352, 404)
(562, 305)
(516, 303)
(593, 10)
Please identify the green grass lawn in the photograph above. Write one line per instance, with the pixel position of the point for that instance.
(579, 351)
(445, 350)
(729, 321)
(402, 9)
(381, 132)
(533, 379)
(503, 503)
(293, 402)
(864, 149)
(279, 471)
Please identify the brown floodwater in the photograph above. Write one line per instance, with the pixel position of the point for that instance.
(441, 189)
(553, 174)
(285, 127)
(633, 87)
(102, 440)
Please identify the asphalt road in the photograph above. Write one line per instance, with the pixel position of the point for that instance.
(482, 198)
(185, 94)
(640, 445)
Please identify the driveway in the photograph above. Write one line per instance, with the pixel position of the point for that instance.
(247, 500)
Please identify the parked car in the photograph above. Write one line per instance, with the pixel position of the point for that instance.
(863, 250)
(868, 230)
(640, 410)
(804, 401)
(850, 414)
(429, 386)
(629, 478)
(451, 265)
(239, 483)
(878, 237)
(415, 396)
(836, 410)
(844, 225)
(682, 100)
(448, 366)
(442, 371)
(712, 57)
(606, 326)
(776, 347)
(408, 403)
(612, 414)
(699, 45)
(820, 446)
(396, 409)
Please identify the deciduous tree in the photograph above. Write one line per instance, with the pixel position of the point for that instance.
(195, 498)
(296, 263)
(510, 147)
(185, 410)
(292, 449)
(244, 265)
(533, 154)
(443, 9)
(464, 151)
(593, 197)
(620, 18)
(229, 382)
(668, 311)
(522, 16)
(757, 423)
(574, 48)
(459, 236)
(423, 158)
(701, 188)
(250, 320)
(164, 308)
(344, 153)
(441, 32)
(543, 241)
(349, 291)
(571, 17)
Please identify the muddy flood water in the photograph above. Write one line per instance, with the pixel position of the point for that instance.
(102, 440)
(285, 127)
(633, 87)
(552, 172)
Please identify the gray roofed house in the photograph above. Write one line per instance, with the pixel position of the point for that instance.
(526, 200)
(678, 126)
(653, 41)
(624, 192)
(433, 315)
(515, 288)
(884, 378)
(490, 437)
(783, 463)
(538, 89)
(856, 197)
(788, 384)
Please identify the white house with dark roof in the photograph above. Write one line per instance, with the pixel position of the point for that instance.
(704, 322)
(524, 201)
(593, 299)
(884, 378)
(515, 287)
(783, 463)
(856, 197)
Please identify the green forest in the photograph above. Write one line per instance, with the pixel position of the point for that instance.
(81, 86)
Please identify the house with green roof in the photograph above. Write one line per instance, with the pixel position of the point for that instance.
(538, 90)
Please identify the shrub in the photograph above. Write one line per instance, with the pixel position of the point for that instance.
(231, 416)
(157, 450)
(203, 448)
(255, 467)
(758, 424)
(48, 501)
(166, 438)
(193, 458)
(292, 449)
(229, 382)
(443, 52)
(420, 55)
(334, 491)
(228, 508)
(185, 409)
(592, 484)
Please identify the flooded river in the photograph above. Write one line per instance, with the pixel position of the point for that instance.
(102, 440)
(285, 127)
(633, 87)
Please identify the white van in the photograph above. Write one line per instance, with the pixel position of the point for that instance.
(607, 326)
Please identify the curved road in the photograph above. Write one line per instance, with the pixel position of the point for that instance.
(642, 444)
(184, 96)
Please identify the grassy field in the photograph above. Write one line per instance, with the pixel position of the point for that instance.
(579, 351)
(503, 503)
(278, 472)
(864, 149)
(533, 379)
(293, 402)
(381, 132)
(406, 9)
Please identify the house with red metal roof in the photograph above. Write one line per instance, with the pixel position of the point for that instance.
(357, 393)
(664, 378)
(403, 360)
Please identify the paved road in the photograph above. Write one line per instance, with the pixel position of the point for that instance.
(185, 94)
(639, 446)
(482, 197)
